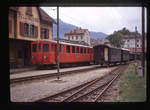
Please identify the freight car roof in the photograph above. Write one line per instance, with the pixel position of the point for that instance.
(65, 43)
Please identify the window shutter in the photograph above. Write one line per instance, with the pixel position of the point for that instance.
(41, 34)
(10, 26)
(47, 33)
(21, 28)
(36, 31)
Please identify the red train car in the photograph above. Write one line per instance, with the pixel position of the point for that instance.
(44, 52)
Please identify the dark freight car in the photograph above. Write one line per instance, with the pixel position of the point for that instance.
(124, 55)
(131, 56)
(115, 55)
(101, 54)
(104, 54)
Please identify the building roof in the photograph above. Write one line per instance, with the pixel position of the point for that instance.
(73, 42)
(76, 32)
(131, 36)
(43, 15)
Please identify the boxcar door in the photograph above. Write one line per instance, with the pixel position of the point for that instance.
(105, 54)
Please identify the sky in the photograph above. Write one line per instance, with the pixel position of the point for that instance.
(100, 19)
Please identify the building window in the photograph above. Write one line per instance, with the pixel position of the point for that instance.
(137, 45)
(44, 33)
(128, 40)
(81, 37)
(26, 29)
(76, 37)
(29, 11)
(72, 37)
(68, 37)
(32, 31)
(137, 40)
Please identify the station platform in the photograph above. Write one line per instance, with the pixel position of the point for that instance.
(17, 70)
(42, 72)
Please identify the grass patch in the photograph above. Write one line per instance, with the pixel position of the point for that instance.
(132, 88)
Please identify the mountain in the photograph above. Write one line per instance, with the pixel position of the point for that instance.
(65, 27)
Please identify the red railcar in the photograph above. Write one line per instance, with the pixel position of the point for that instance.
(44, 52)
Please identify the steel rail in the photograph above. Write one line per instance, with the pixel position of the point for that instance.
(109, 84)
(97, 88)
(82, 87)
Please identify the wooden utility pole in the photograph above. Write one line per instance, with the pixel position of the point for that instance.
(135, 42)
(58, 42)
(143, 40)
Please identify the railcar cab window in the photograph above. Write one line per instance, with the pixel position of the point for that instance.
(45, 47)
(73, 49)
(68, 49)
(39, 47)
(34, 48)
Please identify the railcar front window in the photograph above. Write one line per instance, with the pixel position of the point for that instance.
(39, 48)
(34, 48)
(45, 48)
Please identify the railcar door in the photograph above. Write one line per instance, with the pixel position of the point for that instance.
(105, 54)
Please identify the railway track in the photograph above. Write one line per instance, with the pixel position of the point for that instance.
(91, 91)
(51, 75)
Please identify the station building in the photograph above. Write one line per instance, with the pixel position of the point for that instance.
(26, 24)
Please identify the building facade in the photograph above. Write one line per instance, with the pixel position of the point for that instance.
(26, 24)
(78, 35)
(134, 43)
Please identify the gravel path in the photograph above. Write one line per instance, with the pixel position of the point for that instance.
(36, 90)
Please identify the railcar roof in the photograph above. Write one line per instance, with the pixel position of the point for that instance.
(65, 43)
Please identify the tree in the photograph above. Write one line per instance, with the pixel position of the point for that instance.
(116, 38)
